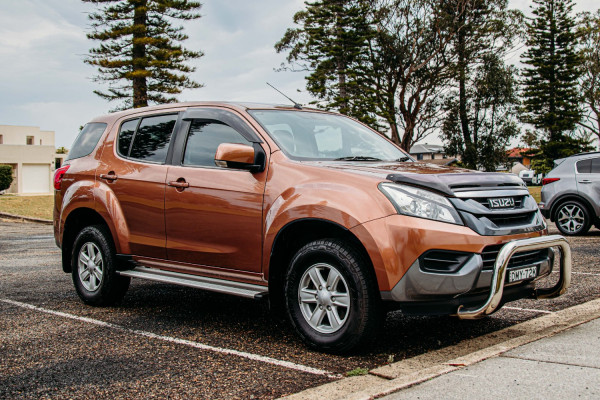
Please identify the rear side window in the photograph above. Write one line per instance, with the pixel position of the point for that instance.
(148, 140)
(204, 138)
(87, 140)
(584, 166)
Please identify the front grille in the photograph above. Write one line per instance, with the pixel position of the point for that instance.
(522, 259)
(508, 220)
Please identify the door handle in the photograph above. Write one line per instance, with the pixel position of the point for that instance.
(109, 177)
(585, 181)
(179, 184)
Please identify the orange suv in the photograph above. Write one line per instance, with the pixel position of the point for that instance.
(314, 211)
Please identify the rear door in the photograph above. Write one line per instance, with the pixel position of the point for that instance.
(216, 220)
(588, 180)
(135, 170)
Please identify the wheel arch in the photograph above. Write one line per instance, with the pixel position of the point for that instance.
(570, 196)
(77, 219)
(294, 235)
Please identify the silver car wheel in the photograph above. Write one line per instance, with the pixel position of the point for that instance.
(324, 298)
(90, 266)
(571, 218)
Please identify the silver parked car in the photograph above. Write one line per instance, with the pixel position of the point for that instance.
(571, 193)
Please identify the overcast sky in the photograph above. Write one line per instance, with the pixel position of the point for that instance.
(44, 82)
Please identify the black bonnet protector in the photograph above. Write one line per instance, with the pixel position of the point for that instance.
(450, 184)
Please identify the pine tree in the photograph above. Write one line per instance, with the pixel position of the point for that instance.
(330, 42)
(140, 54)
(550, 93)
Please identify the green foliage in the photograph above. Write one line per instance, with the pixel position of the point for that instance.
(589, 43)
(6, 176)
(330, 42)
(479, 122)
(140, 54)
(550, 95)
(62, 150)
(490, 108)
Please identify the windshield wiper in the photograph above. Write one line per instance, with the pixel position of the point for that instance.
(357, 158)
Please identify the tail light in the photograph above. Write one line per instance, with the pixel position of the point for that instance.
(546, 181)
(58, 176)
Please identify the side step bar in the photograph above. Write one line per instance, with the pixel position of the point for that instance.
(199, 282)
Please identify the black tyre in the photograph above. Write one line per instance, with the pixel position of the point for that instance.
(573, 218)
(94, 268)
(332, 300)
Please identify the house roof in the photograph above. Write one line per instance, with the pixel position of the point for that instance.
(517, 152)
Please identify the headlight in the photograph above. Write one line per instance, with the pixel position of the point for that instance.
(415, 202)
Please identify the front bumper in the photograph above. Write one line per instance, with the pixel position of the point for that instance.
(499, 275)
(473, 291)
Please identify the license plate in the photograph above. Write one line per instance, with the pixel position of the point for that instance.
(522, 274)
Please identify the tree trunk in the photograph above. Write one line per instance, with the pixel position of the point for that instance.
(470, 153)
(140, 87)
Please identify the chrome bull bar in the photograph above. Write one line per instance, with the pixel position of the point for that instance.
(499, 275)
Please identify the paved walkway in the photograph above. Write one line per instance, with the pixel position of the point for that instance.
(564, 366)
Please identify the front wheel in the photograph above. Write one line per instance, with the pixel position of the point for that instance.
(573, 218)
(332, 300)
(94, 268)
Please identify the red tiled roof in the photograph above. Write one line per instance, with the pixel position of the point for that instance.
(517, 152)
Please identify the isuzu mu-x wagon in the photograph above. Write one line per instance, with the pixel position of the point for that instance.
(314, 211)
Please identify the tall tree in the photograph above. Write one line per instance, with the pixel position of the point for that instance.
(330, 42)
(485, 32)
(489, 107)
(409, 61)
(550, 93)
(589, 30)
(140, 54)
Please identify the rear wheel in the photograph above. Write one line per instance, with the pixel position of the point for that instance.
(94, 268)
(573, 218)
(332, 301)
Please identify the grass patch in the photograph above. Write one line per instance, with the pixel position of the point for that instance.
(357, 372)
(29, 206)
(535, 191)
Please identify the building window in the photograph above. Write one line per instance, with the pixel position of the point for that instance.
(419, 156)
(1, 139)
(433, 156)
(57, 163)
(29, 140)
(40, 142)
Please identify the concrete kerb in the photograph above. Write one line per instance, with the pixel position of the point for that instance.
(403, 374)
(24, 218)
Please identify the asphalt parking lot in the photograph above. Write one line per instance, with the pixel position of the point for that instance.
(176, 342)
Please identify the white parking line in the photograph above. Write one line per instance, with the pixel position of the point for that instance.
(250, 356)
(528, 309)
(580, 273)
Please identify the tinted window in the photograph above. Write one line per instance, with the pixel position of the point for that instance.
(151, 141)
(595, 165)
(584, 166)
(203, 140)
(87, 140)
(125, 135)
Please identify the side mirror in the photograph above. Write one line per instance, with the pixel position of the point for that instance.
(235, 155)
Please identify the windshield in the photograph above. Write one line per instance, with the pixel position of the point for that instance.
(305, 135)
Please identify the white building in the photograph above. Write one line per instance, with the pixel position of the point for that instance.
(31, 153)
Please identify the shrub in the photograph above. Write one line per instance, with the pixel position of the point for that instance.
(6, 177)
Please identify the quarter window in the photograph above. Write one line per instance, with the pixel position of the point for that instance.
(203, 139)
(87, 140)
(151, 140)
(584, 166)
(125, 135)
